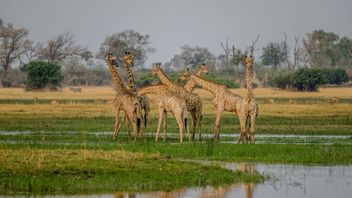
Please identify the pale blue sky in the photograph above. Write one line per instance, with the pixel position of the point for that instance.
(172, 24)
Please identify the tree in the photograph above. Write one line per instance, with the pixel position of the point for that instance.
(128, 40)
(193, 56)
(319, 46)
(74, 73)
(237, 57)
(41, 74)
(175, 64)
(344, 48)
(225, 59)
(272, 55)
(61, 48)
(13, 44)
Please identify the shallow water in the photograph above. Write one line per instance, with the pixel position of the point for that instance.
(288, 181)
(177, 135)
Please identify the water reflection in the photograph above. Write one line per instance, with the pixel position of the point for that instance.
(286, 181)
(244, 190)
(289, 181)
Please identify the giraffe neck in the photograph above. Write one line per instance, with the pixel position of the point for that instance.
(130, 78)
(210, 86)
(117, 81)
(190, 85)
(249, 81)
(171, 85)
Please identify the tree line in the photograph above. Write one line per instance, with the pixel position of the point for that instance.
(78, 66)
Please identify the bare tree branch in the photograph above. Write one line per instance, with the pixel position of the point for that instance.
(251, 48)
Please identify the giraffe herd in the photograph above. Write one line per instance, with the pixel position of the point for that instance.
(178, 99)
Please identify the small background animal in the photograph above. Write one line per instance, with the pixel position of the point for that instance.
(76, 89)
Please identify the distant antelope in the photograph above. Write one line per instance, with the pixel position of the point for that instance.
(75, 89)
(334, 100)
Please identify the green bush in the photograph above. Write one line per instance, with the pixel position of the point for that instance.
(281, 80)
(308, 79)
(334, 76)
(145, 79)
(42, 74)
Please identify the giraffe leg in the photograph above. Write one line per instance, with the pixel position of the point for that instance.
(120, 125)
(194, 120)
(133, 119)
(135, 131)
(217, 123)
(252, 128)
(165, 125)
(242, 137)
(116, 131)
(199, 122)
(178, 117)
(128, 126)
(159, 123)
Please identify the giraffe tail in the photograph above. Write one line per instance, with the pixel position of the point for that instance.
(248, 125)
(145, 120)
(138, 124)
(186, 123)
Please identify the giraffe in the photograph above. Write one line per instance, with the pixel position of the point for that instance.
(250, 108)
(193, 101)
(125, 100)
(224, 100)
(190, 85)
(168, 102)
(143, 98)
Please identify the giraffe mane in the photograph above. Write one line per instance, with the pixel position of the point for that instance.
(211, 81)
(168, 77)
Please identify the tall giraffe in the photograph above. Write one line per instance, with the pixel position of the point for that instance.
(143, 98)
(225, 100)
(193, 101)
(125, 100)
(168, 101)
(248, 103)
(190, 85)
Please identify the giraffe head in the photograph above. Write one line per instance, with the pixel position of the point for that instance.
(203, 68)
(128, 59)
(156, 69)
(248, 60)
(111, 59)
(185, 74)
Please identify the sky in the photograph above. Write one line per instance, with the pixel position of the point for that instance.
(172, 24)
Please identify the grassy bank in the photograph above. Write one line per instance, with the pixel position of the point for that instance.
(268, 153)
(77, 171)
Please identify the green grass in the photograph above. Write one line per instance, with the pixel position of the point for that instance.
(208, 150)
(333, 125)
(78, 171)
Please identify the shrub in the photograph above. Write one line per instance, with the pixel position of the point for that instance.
(146, 79)
(334, 76)
(41, 74)
(281, 80)
(308, 79)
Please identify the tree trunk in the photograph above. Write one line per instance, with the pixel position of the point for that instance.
(4, 76)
